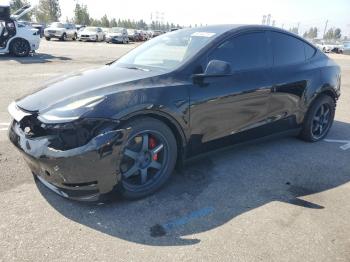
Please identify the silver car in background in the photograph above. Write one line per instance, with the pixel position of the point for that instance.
(117, 35)
(61, 31)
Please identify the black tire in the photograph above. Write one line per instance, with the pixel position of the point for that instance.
(315, 126)
(20, 47)
(48, 38)
(133, 187)
(75, 37)
(64, 37)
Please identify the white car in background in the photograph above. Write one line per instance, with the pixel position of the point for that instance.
(61, 31)
(16, 38)
(91, 33)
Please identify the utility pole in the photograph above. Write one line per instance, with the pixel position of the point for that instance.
(325, 28)
(298, 28)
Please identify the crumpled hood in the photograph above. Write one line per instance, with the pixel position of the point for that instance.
(69, 88)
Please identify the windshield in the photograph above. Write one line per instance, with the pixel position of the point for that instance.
(116, 30)
(90, 29)
(168, 51)
(131, 31)
(57, 25)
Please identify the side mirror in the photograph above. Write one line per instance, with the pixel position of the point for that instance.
(217, 68)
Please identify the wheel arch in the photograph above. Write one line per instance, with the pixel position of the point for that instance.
(17, 38)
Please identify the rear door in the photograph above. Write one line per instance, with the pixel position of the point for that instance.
(292, 72)
(230, 104)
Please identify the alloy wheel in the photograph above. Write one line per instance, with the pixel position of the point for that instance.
(144, 158)
(321, 121)
(20, 48)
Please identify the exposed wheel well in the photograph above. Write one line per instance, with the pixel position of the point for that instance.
(174, 129)
(328, 93)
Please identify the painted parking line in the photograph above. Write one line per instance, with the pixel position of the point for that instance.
(4, 126)
(345, 146)
(161, 229)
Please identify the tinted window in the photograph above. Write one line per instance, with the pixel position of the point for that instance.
(243, 52)
(286, 49)
(309, 51)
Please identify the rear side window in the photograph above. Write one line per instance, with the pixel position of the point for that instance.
(309, 51)
(286, 49)
(247, 51)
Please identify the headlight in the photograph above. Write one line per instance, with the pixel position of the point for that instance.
(70, 112)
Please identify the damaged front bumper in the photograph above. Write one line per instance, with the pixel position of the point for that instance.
(81, 173)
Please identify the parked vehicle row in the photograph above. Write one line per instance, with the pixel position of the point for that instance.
(330, 48)
(65, 31)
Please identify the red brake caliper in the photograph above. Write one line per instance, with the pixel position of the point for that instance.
(152, 144)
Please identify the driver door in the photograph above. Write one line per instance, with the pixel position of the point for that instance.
(234, 103)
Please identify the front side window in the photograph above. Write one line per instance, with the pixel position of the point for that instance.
(243, 52)
(286, 49)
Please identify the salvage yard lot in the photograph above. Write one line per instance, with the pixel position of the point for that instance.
(274, 200)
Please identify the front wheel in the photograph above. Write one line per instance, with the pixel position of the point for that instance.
(63, 37)
(148, 158)
(20, 48)
(319, 119)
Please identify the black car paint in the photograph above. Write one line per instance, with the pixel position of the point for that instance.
(246, 104)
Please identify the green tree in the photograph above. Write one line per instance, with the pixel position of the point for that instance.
(337, 33)
(48, 11)
(81, 15)
(17, 4)
(294, 30)
(113, 23)
(104, 21)
(312, 33)
(95, 22)
(329, 35)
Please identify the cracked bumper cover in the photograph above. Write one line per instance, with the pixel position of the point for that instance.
(82, 173)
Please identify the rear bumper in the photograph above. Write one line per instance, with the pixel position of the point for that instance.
(83, 173)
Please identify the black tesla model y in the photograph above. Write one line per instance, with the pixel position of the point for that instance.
(123, 127)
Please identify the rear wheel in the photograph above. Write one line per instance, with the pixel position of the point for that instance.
(48, 38)
(148, 158)
(319, 119)
(20, 47)
(75, 37)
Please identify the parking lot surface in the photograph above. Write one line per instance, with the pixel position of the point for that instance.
(273, 200)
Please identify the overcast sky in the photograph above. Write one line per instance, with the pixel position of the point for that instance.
(285, 12)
